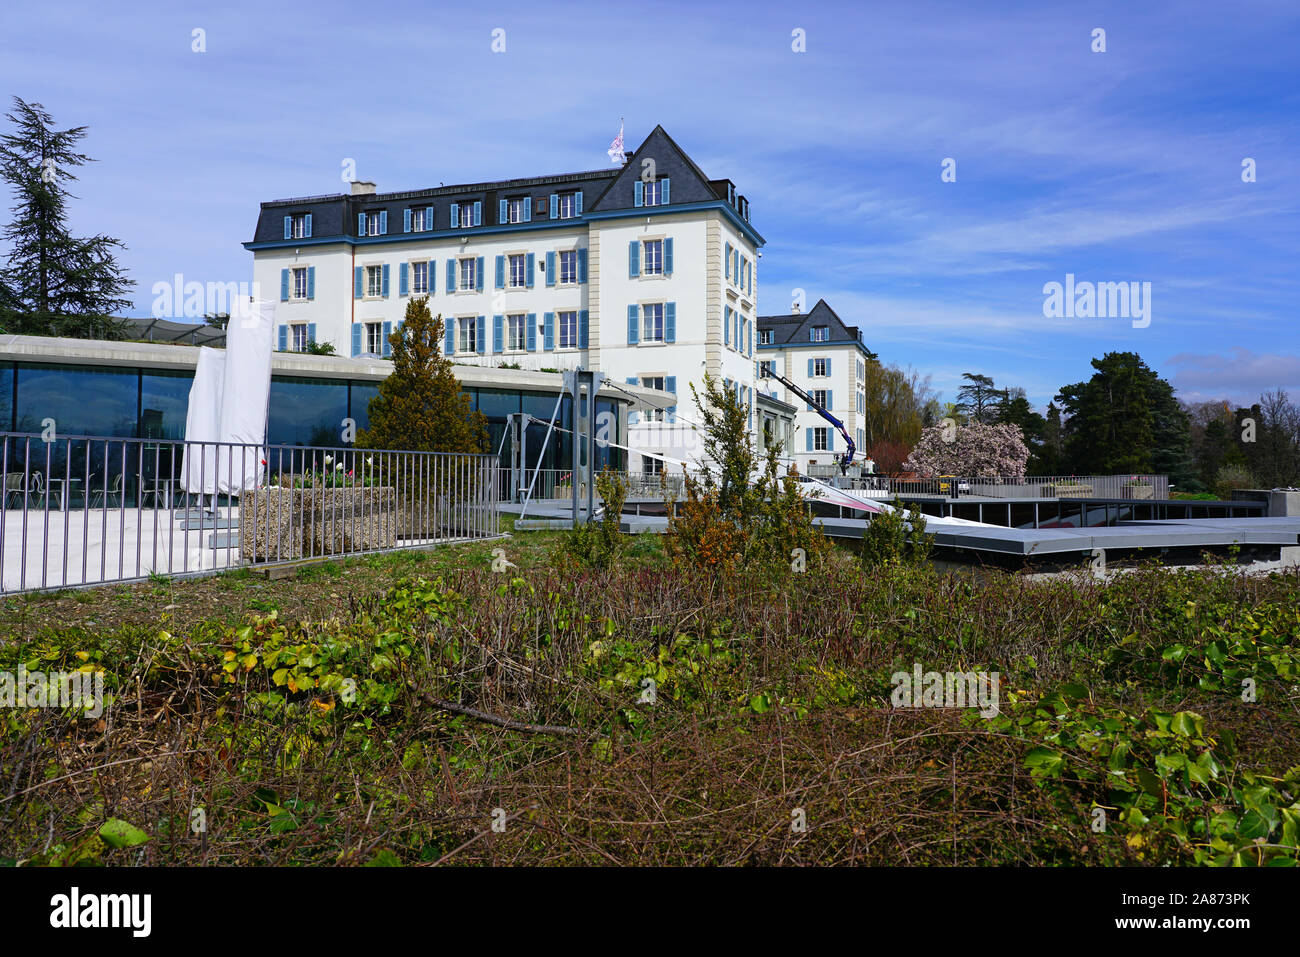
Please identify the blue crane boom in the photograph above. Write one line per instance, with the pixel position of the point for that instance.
(846, 459)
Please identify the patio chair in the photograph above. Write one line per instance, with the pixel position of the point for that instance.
(114, 492)
(15, 486)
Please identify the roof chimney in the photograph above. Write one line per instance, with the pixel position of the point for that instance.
(794, 308)
(362, 188)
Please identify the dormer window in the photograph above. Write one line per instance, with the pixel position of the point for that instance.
(764, 337)
(419, 219)
(297, 226)
(517, 209)
(821, 333)
(654, 193)
(373, 223)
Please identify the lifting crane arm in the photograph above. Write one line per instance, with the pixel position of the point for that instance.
(846, 459)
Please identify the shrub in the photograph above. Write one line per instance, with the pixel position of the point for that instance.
(896, 538)
(1230, 477)
(597, 544)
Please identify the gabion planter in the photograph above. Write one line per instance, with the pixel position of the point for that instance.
(1073, 491)
(283, 523)
(1139, 491)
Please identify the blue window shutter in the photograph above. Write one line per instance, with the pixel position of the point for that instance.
(577, 202)
(311, 282)
(451, 275)
(449, 344)
(668, 256)
(632, 417)
(550, 269)
(283, 331)
(498, 334)
(808, 434)
(530, 262)
(478, 275)
(670, 322)
(528, 209)
(306, 226)
(356, 339)
(383, 222)
(830, 440)
(633, 259)
(503, 212)
(555, 205)
(386, 349)
(480, 334)
(548, 331)
(663, 193)
(501, 272)
(361, 224)
(582, 328)
(406, 220)
(311, 332)
(582, 264)
(726, 263)
(284, 285)
(403, 286)
(638, 194)
(359, 283)
(433, 281)
(384, 282)
(670, 385)
(633, 314)
(830, 400)
(631, 380)
(530, 321)
(828, 367)
(478, 212)
(428, 218)
(455, 216)
(288, 227)
(726, 325)
(810, 368)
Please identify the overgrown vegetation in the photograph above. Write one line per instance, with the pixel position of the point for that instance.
(597, 544)
(685, 720)
(896, 537)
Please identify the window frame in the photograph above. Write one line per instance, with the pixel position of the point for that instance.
(519, 320)
(560, 328)
(374, 328)
(572, 255)
(467, 335)
(415, 285)
(646, 336)
(374, 282)
(462, 284)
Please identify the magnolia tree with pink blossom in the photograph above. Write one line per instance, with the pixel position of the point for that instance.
(975, 451)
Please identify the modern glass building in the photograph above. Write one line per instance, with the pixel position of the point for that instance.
(141, 390)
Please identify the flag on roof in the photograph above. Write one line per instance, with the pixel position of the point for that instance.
(616, 154)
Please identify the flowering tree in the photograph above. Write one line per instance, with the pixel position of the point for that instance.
(975, 450)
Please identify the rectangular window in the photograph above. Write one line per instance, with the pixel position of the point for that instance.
(421, 219)
(652, 257)
(374, 281)
(298, 226)
(651, 466)
(821, 440)
(300, 282)
(299, 336)
(819, 397)
(821, 334)
(568, 266)
(764, 337)
(515, 333)
(819, 367)
(373, 224)
(375, 338)
(516, 270)
(419, 278)
(467, 278)
(515, 210)
(568, 329)
(653, 193)
(468, 330)
(765, 368)
(653, 382)
(652, 321)
(466, 214)
(567, 205)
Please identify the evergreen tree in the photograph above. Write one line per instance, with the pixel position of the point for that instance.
(58, 284)
(420, 407)
(979, 398)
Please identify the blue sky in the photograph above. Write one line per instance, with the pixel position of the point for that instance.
(1115, 166)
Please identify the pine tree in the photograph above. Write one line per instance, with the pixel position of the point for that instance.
(58, 284)
(420, 407)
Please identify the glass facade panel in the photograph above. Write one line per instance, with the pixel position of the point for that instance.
(82, 400)
(164, 400)
(307, 411)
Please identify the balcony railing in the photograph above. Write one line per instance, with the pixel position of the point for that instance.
(1019, 486)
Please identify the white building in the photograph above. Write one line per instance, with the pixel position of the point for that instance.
(826, 358)
(646, 272)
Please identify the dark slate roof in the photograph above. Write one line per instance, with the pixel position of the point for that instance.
(795, 329)
(335, 215)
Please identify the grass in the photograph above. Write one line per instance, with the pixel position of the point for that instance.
(338, 716)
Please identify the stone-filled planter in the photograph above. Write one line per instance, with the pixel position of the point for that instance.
(1139, 491)
(284, 523)
(1073, 491)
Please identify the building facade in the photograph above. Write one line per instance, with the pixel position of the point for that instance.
(826, 358)
(646, 272)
